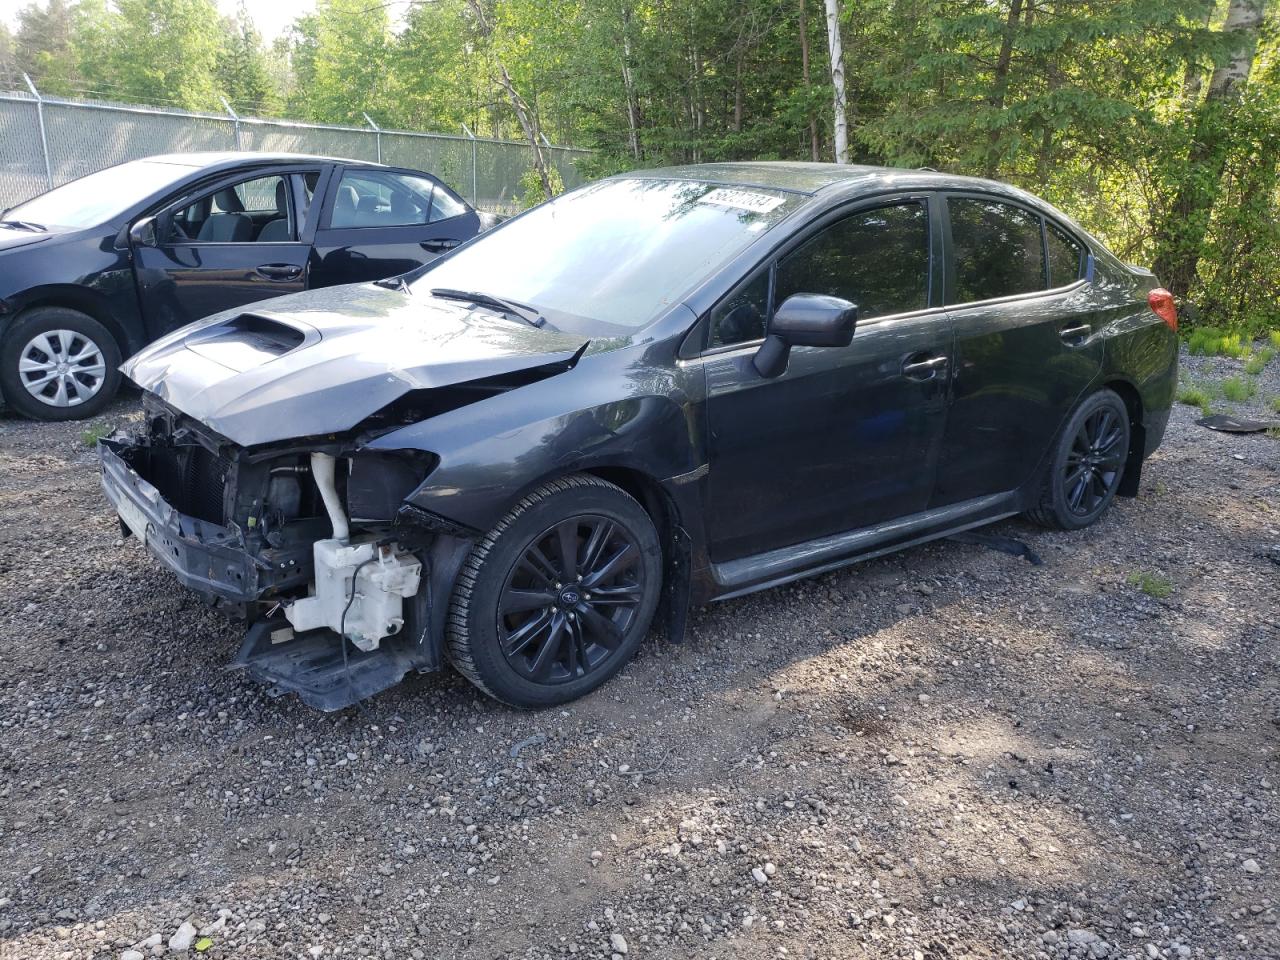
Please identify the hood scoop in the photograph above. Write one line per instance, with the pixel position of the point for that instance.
(247, 341)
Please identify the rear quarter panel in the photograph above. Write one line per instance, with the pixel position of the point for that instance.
(1141, 349)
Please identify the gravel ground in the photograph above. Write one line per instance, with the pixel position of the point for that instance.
(942, 754)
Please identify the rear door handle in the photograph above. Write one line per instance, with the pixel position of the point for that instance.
(1075, 333)
(923, 368)
(280, 271)
(440, 245)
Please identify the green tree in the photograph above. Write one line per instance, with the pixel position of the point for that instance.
(242, 69)
(42, 46)
(346, 57)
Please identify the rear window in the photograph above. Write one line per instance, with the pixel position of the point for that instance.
(997, 249)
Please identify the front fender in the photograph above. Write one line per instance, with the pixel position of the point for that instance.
(494, 451)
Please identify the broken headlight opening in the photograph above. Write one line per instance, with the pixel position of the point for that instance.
(306, 541)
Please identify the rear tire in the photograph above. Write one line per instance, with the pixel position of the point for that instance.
(1087, 464)
(558, 596)
(58, 364)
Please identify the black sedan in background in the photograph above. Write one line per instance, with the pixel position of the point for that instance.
(94, 270)
(660, 389)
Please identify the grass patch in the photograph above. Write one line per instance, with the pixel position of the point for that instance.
(93, 434)
(1274, 337)
(1238, 389)
(1258, 362)
(1152, 584)
(1214, 342)
(1195, 396)
(1275, 404)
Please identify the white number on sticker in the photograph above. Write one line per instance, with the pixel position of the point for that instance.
(741, 199)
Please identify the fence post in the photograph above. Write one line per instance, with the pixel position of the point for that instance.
(235, 119)
(475, 190)
(44, 138)
(377, 134)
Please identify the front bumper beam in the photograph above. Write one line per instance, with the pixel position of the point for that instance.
(211, 559)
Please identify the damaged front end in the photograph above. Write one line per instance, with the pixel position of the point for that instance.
(306, 541)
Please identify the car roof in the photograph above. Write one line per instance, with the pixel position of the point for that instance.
(231, 158)
(812, 178)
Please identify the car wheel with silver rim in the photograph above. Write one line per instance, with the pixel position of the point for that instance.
(58, 364)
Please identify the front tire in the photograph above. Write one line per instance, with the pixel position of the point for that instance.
(558, 596)
(1087, 465)
(59, 364)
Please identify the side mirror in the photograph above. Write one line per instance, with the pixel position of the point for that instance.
(143, 233)
(804, 320)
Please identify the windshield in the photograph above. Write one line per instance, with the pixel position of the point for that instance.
(617, 252)
(100, 196)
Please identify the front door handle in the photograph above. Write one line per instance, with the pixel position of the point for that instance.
(440, 245)
(1075, 333)
(919, 367)
(280, 272)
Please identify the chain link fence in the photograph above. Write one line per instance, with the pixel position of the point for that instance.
(46, 141)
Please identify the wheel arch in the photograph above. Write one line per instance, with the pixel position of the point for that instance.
(71, 297)
(1137, 434)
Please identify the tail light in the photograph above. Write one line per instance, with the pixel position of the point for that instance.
(1161, 303)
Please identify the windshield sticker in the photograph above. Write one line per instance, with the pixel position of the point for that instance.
(741, 200)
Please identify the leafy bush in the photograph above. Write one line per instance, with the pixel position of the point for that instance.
(531, 185)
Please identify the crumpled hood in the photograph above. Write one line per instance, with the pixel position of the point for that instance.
(322, 361)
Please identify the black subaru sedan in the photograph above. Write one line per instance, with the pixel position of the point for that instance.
(95, 269)
(661, 389)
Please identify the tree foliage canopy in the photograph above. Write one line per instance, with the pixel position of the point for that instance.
(1106, 107)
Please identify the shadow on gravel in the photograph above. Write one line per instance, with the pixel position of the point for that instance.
(946, 751)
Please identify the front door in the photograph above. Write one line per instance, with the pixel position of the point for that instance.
(845, 438)
(1024, 315)
(235, 244)
(381, 223)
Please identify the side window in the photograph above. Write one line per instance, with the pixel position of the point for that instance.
(997, 249)
(739, 318)
(369, 198)
(252, 211)
(444, 205)
(876, 259)
(1066, 256)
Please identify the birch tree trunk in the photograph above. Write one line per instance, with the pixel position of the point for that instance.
(839, 106)
(1186, 223)
(628, 83)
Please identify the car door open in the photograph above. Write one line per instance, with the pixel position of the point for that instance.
(233, 244)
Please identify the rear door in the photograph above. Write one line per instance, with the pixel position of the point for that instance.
(1024, 315)
(846, 437)
(228, 244)
(379, 223)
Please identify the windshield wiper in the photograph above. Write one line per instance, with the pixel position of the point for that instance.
(394, 283)
(23, 225)
(522, 310)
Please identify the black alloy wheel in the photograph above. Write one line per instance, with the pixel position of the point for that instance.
(1092, 469)
(570, 599)
(557, 597)
(1088, 464)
